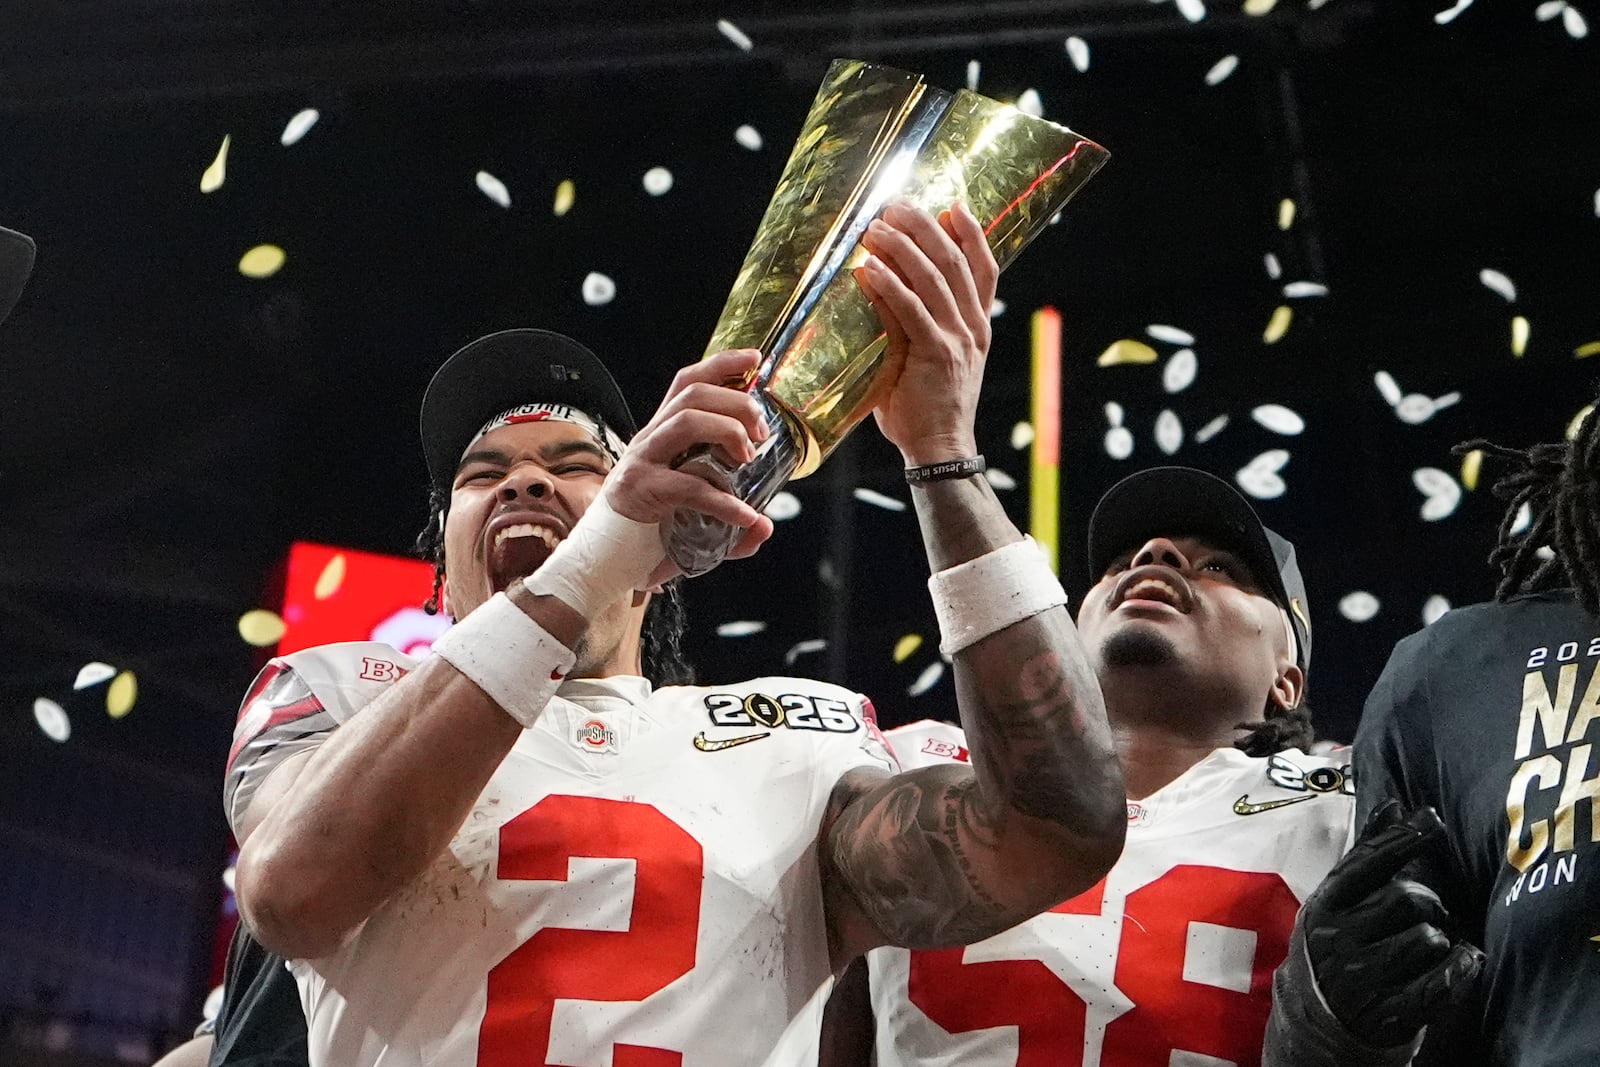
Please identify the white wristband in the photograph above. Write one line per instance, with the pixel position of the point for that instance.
(606, 557)
(985, 595)
(507, 655)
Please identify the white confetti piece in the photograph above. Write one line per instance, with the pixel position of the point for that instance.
(1493, 279)
(803, 648)
(740, 628)
(1279, 419)
(1030, 104)
(1523, 520)
(598, 289)
(1577, 28)
(1169, 432)
(1193, 10)
(878, 500)
(999, 479)
(974, 68)
(1172, 335)
(1446, 401)
(783, 506)
(1388, 387)
(1078, 52)
(1211, 429)
(1119, 442)
(1414, 408)
(298, 126)
(1261, 484)
(1114, 413)
(1274, 269)
(493, 188)
(740, 39)
(658, 181)
(52, 719)
(827, 573)
(927, 679)
(93, 674)
(1180, 370)
(1294, 290)
(1359, 606)
(217, 172)
(1222, 69)
(230, 879)
(1442, 493)
(1448, 15)
(1549, 10)
(1312, 5)
(1576, 422)
(1597, 203)
(1519, 336)
(1433, 608)
(997, 309)
(1273, 460)
(1022, 435)
(748, 137)
(213, 1004)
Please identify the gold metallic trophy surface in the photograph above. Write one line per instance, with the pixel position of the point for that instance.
(873, 135)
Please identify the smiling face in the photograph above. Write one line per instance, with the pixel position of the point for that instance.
(1189, 617)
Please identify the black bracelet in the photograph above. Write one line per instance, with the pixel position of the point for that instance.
(953, 468)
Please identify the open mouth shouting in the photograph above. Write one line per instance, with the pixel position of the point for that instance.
(1152, 585)
(517, 543)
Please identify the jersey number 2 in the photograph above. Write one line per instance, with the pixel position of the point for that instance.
(657, 948)
(1170, 1013)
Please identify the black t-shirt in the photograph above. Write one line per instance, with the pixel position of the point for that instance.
(261, 1023)
(1490, 715)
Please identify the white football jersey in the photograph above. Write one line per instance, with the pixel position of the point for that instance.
(637, 886)
(1166, 963)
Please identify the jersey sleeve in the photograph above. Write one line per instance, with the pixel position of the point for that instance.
(928, 743)
(1394, 742)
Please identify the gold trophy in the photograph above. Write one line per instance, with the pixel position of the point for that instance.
(874, 134)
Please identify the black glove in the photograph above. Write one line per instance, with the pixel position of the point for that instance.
(1376, 940)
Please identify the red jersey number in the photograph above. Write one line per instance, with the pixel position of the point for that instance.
(657, 949)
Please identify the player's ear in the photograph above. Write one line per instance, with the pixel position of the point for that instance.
(444, 597)
(1289, 688)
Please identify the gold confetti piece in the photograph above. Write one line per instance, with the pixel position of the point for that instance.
(1585, 351)
(1285, 213)
(1577, 423)
(217, 173)
(91, 674)
(1281, 318)
(1259, 7)
(1471, 466)
(52, 719)
(262, 261)
(121, 695)
(1126, 350)
(1519, 336)
(331, 578)
(261, 628)
(906, 647)
(566, 193)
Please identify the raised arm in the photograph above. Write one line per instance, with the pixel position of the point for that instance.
(947, 855)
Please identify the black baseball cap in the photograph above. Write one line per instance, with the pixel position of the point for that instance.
(1181, 500)
(16, 263)
(506, 369)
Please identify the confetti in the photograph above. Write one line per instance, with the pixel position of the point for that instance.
(1180, 370)
(1414, 408)
(740, 628)
(1388, 387)
(217, 173)
(1574, 22)
(1295, 290)
(52, 719)
(740, 39)
(1577, 421)
(261, 628)
(1169, 432)
(1274, 269)
(1585, 351)
(1030, 104)
(803, 648)
(1169, 334)
(1519, 336)
(1193, 10)
(566, 196)
(1523, 520)
(213, 1004)
(1261, 484)
(999, 479)
(1359, 606)
(1545, 552)
(1549, 10)
(331, 578)
(1279, 325)
(783, 506)
(262, 261)
(997, 309)
(1471, 467)
(1078, 52)
(1285, 213)
(1211, 429)
(1126, 351)
(298, 127)
(1493, 279)
(122, 694)
(1259, 7)
(493, 188)
(1022, 435)
(1443, 17)
(230, 879)
(1119, 442)
(1222, 69)
(658, 181)
(91, 674)
(1114, 413)
(1433, 608)
(1446, 401)
(1279, 419)
(877, 499)
(598, 289)
(827, 573)
(973, 69)
(749, 137)
(1442, 493)
(927, 679)
(1597, 203)
(906, 647)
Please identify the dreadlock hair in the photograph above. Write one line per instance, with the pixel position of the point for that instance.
(1559, 482)
(1279, 729)
(665, 620)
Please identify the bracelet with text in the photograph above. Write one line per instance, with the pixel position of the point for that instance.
(953, 468)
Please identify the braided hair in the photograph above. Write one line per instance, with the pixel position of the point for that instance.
(1280, 728)
(665, 620)
(1559, 483)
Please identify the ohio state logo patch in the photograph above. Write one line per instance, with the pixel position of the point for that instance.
(595, 736)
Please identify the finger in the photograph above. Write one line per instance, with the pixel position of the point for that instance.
(917, 325)
(752, 539)
(1429, 997)
(682, 431)
(916, 269)
(895, 332)
(697, 494)
(968, 233)
(718, 399)
(734, 365)
(1376, 857)
(1391, 908)
(946, 255)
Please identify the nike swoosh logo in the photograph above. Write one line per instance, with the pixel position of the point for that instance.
(1243, 806)
(704, 744)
